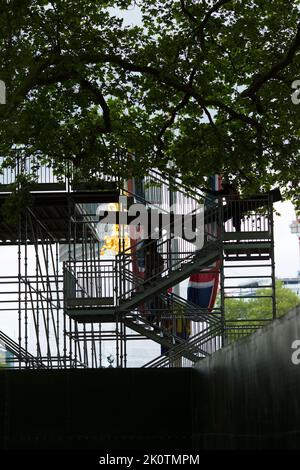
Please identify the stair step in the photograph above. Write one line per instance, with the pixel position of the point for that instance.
(247, 258)
(259, 235)
(246, 246)
(89, 302)
(88, 315)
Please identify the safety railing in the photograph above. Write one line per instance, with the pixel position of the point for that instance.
(16, 356)
(174, 317)
(42, 177)
(205, 327)
(234, 330)
(160, 185)
(155, 323)
(159, 262)
(182, 308)
(200, 345)
(158, 258)
(210, 339)
(89, 282)
(247, 216)
(95, 181)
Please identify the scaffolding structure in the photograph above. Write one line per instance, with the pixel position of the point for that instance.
(67, 300)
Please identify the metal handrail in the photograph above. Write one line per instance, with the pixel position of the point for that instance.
(20, 353)
(178, 185)
(199, 313)
(192, 345)
(174, 262)
(41, 174)
(166, 334)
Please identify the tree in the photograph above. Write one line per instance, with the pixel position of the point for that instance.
(244, 316)
(261, 308)
(206, 85)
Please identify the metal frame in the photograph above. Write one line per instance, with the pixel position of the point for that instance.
(49, 294)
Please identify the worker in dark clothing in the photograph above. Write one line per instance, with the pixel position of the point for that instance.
(154, 266)
(230, 192)
(154, 262)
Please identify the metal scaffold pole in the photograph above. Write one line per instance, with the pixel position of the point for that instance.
(20, 291)
(274, 307)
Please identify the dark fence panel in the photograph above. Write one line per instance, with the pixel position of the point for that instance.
(252, 391)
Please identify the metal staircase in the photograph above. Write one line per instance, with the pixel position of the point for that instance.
(98, 291)
(134, 291)
(160, 282)
(20, 354)
(156, 331)
(195, 346)
(158, 334)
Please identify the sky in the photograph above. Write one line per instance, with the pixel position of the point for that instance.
(287, 256)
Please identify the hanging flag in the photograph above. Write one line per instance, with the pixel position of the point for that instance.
(135, 188)
(203, 287)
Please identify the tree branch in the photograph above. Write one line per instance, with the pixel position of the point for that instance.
(216, 130)
(174, 112)
(27, 85)
(101, 101)
(260, 79)
(234, 114)
(187, 13)
(38, 77)
(203, 24)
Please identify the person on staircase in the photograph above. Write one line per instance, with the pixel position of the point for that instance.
(231, 193)
(154, 266)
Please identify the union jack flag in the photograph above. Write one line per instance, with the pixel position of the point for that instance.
(203, 287)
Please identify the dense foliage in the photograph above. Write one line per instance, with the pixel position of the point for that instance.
(204, 84)
(259, 308)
